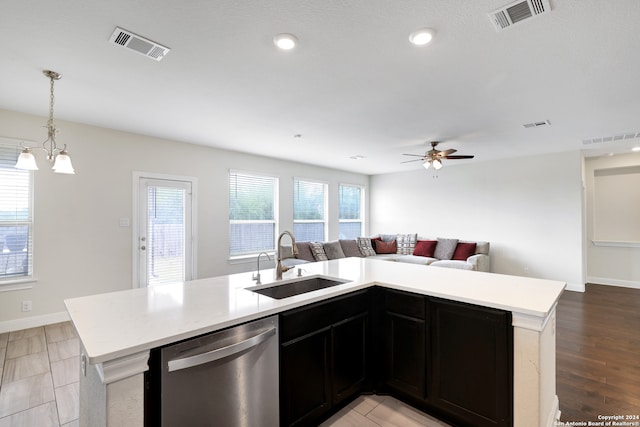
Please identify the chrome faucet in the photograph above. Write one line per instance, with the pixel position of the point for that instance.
(256, 277)
(279, 268)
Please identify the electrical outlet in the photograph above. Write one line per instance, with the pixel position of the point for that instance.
(26, 305)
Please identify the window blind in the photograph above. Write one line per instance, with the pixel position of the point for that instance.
(309, 211)
(16, 217)
(350, 211)
(252, 213)
(165, 235)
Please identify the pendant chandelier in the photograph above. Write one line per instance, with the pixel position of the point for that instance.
(59, 156)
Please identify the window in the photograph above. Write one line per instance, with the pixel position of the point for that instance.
(351, 200)
(252, 213)
(309, 211)
(16, 217)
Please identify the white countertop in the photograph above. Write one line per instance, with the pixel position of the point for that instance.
(123, 323)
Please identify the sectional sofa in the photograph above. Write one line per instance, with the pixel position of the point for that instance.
(409, 248)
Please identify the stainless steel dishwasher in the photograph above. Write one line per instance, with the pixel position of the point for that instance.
(227, 378)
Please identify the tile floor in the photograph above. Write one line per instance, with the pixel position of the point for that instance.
(381, 411)
(39, 369)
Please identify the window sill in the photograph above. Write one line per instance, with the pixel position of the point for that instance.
(244, 259)
(17, 284)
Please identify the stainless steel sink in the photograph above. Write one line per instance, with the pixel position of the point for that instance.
(296, 287)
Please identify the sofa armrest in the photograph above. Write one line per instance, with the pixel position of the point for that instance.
(480, 262)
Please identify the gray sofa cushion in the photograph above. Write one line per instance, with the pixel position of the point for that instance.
(415, 259)
(304, 251)
(333, 250)
(445, 248)
(365, 246)
(350, 248)
(387, 257)
(460, 265)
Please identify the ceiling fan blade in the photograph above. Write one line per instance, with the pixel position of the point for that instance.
(447, 152)
(459, 157)
(409, 161)
(415, 155)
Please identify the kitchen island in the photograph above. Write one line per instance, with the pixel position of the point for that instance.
(118, 330)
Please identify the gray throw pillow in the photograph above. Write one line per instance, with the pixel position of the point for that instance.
(388, 237)
(445, 248)
(304, 251)
(350, 248)
(406, 243)
(333, 250)
(318, 251)
(366, 249)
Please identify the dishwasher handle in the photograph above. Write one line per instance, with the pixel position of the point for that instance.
(210, 356)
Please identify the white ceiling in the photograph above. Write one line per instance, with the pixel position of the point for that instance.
(353, 86)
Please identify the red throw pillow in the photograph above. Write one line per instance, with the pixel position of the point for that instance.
(464, 251)
(385, 247)
(425, 248)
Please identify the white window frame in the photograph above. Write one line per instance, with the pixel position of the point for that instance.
(361, 220)
(242, 257)
(325, 202)
(23, 281)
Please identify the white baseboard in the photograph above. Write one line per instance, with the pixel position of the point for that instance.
(613, 282)
(554, 415)
(33, 321)
(576, 287)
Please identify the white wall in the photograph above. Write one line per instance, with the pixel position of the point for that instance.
(529, 209)
(79, 247)
(616, 263)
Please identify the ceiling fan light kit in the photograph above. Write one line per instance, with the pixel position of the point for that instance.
(434, 157)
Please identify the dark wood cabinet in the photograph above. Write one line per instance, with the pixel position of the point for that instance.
(471, 363)
(305, 389)
(404, 345)
(451, 359)
(323, 357)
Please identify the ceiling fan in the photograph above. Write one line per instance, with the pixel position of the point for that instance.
(434, 156)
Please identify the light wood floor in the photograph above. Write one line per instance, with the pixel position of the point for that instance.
(40, 370)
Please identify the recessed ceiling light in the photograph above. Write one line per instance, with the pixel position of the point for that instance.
(422, 36)
(285, 41)
(635, 149)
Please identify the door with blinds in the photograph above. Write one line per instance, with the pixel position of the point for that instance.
(165, 246)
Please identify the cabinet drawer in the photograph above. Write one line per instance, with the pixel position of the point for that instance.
(412, 305)
(304, 320)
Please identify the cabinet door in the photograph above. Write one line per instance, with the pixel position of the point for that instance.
(472, 363)
(405, 354)
(305, 379)
(404, 343)
(349, 342)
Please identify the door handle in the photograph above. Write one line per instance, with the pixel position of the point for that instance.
(210, 356)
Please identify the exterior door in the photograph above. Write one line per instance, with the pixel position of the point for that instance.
(164, 241)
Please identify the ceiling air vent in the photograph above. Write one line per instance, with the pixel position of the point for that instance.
(138, 44)
(537, 124)
(615, 138)
(518, 11)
